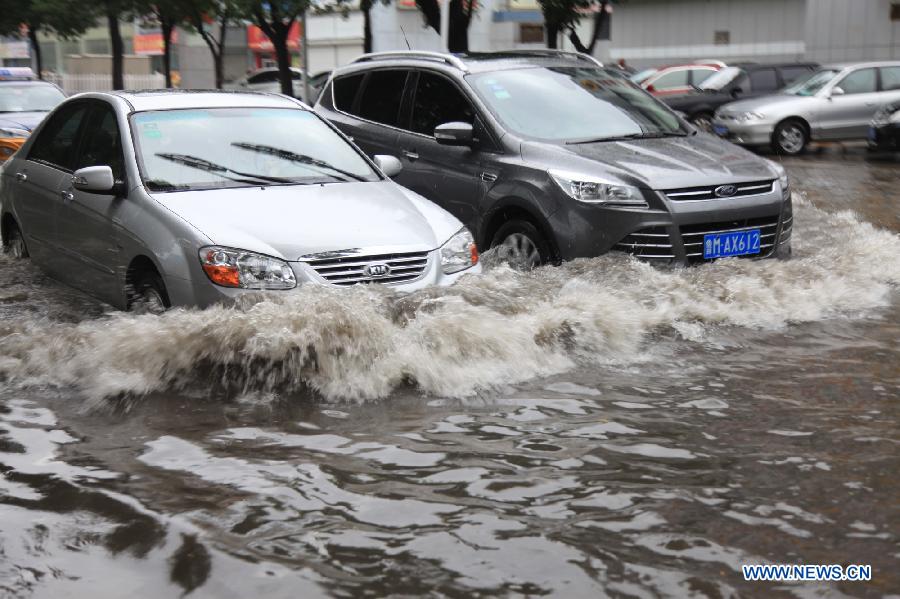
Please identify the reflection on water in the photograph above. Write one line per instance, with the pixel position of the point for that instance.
(603, 428)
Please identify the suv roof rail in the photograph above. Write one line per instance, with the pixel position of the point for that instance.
(551, 53)
(421, 54)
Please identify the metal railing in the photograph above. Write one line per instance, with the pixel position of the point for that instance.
(98, 82)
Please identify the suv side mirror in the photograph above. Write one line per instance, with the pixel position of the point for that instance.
(837, 91)
(94, 179)
(454, 134)
(389, 165)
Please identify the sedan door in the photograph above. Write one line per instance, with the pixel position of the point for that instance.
(38, 178)
(86, 228)
(846, 114)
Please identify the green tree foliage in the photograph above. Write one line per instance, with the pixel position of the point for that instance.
(65, 18)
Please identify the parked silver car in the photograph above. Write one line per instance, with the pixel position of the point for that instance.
(836, 102)
(165, 198)
(266, 80)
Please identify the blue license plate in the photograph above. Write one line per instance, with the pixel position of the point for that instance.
(872, 135)
(720, 130)
(738, 243)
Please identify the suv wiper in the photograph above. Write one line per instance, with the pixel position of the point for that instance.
(211, 167)
(295, 157)
(655, 135)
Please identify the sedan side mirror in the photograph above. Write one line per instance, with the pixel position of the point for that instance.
(389, 165)
(837, 91)
(94, 179)
(454, 134)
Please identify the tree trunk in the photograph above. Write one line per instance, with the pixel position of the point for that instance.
(167, 27)
(219, 57)
(284, 62)
(458, 40)
(366, 7)
(599, 20)
(552, 30)
(115, 37)
(39, 61)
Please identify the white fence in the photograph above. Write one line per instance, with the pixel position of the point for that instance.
(95, 82)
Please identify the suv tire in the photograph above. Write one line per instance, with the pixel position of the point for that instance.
(521, 245)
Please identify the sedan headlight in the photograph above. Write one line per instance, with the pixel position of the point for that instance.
(247, 270)
(783, 181)
(459, 253)
(749, 116)
(595, 190)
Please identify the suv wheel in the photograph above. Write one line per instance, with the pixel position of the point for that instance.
(521, 245)
(15, 244)
(790, 138)
(148, 295)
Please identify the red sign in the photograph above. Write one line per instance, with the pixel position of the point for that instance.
(151, 44)
(260, 42)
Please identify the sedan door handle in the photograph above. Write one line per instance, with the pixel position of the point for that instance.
(21, 177)
(412, 156)
(67, 196)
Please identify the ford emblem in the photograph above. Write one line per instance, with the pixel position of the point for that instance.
(377, 269)
(725, 191)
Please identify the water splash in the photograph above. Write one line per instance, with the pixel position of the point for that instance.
(500, 328)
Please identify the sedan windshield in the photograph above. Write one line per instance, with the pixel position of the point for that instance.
(233, 147)
(720, 79)
(810, 85)
(29, 97)
(574, 105)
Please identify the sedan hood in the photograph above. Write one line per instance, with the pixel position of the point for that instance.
(668, 163)
(775, 104)
(21, 120)
(293, 221)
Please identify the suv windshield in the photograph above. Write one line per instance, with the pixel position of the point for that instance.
(810, 85)
(29, 97)
(720, 79)
(573, 104)
(234, 147)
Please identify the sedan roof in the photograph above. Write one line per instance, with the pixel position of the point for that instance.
(174, 99)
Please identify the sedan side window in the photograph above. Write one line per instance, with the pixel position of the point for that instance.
(858, 82)
(438, 101)
(381, 97)
(890, 78)
(264, 77)
(763, 80)
(698, 76)
(671, 79)
(56, 141)
(103, 143)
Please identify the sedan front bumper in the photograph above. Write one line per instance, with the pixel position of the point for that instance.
(745, 133)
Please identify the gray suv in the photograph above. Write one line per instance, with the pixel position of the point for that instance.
(548, 156)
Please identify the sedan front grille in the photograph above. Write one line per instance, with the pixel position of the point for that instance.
(751, 188)
(692, 235)
(652, 243)
(390, 269)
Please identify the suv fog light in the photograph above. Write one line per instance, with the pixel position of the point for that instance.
(459, 253)
(248, 270)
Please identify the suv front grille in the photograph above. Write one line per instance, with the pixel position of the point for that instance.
(751, 188)
(351, 269)
(652, 243)
(692, 235)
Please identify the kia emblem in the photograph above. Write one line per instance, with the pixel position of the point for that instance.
(377, 269)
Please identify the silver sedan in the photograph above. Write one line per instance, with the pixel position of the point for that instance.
(835, 102)
(156, 199)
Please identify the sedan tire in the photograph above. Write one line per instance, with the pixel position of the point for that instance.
(15, 244)
(790, 137)
(148, 296)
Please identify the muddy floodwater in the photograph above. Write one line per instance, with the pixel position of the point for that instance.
(604, 428)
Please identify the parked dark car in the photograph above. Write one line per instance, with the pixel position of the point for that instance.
(884, 132)
(735, 82)
(549, 156)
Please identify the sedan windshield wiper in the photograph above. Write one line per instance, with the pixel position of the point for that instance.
(211, 167)
(645, 135)
(295, 157)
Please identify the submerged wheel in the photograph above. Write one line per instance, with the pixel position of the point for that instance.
(521, 245)
(790, 138)
(14, 245)
(148, 295)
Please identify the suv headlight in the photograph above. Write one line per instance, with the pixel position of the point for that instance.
(247, 270)
(459, 253)
(595, 190)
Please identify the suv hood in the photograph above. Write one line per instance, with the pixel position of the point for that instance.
(293, 221)
(667, 163)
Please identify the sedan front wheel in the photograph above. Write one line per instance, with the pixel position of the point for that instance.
(790, 138)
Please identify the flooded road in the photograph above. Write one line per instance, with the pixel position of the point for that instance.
(602, 428)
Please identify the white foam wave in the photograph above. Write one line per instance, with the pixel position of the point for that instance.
(499, 328)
